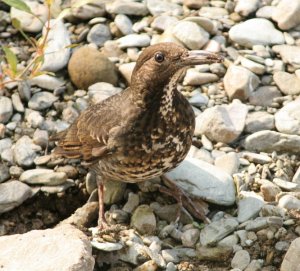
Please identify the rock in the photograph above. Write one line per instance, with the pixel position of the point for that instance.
(190, 34)
(176, 254)
(12, 194)
(265, 12)
(229, 241)
(158, 7)
(222, 123)
(245, 7)
(147, 266)
(143, 219)
(50, 189)
(106, 246)
(24, 151)
(132, 202)
(296, 177)
(264, 95)
(205, 23)
(286, 119)
(289, 54)
(17, 103)
(127, 7)
(269, 141)
(288, 83)
(240, 260)
(6, 109)
(126, 70)
(4, 173)
(134, 40)
(89, 10)
(263, 222)
(87, 66)
(46, 81)
(217, 230)
(287, 14)
(213, 12)
(291, 260)
(249, 205)
(195, 78)
(163, 22)
(255, 31)
(239, 82)
(205, 181)
(42, 100)
(228, 162)
(113, 191)
(45, 257)
(195, 4)
(289, 202)
(99, 34)
(258, 121)
(124, 24)
(34, 119)
(215, 254)
(43, 176)
(253, 66)
(190, 237)
(101, 91)
(57, 52)
(269, 190)
(31, 22)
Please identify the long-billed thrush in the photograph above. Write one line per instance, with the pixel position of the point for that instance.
(142, 132)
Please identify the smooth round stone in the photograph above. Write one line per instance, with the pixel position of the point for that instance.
(245, 7)
(41, 137)
(289, 202)
(46, 81)
(158, 7)
(6, 109)
(127, 7)
(89, 10)
(240, 260)
(265, 12)
(163, 22)
(101, 91)
(4, 173)
(195, 78)
(124, 24)
(106, 246)
(207, 24)
(288, 83)
(99, 34)
(263, 96)
(134, 40)
(190, 34)
(255, 32)
(289, 54)
(253, 66)
(42, 100)
(258, 121)
(143, 219)
(43, 176)
(291, 259)
(17, 103)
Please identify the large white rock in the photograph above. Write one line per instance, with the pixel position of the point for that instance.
(61, 249)
(287, 119)
(43, 176)
(291, 259)
(254, 32)
(289, 54)
(205, 181)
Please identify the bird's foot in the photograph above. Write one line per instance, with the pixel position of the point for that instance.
(197, 207)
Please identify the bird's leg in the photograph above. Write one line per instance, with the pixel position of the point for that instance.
(101, 219)
(183, 200)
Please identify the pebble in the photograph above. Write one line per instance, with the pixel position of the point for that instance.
(106, 246)
(269, 190)
(50, 189)
(99, 67)
(245, 7)
(286, 14)
(134, 40)
(289, 54)
(43, 176)
(240, 83)
(190, 34)
(147, 266)
(253, 66)
(42, 100)
(265, 12)
(158, 7)
(228, 162)
(289, 202)
(198, 99)
(143, 219)
(89, 10)
(99, 34)
(249, 205)
(124, 24)
(101, 91)
(257, 31)
(195, 78)
(57, 51)
(127, 7)
(24, 151)
(6, 109)
(132, 203)
(217, 230)
(13, 194)
(4, 173)
(296, 177)
(263, 222)
(65, 240)
(163, 22)
(31, 22)
(258, 121)
(288, 83)
(126, 70)
(241, 259)
(34, 119)
(229, 241)
(5, 143)
(176, 254)
(264, 95)
(46, 81)
(269, 141)
(291, 260)
(204, 180)
(214, 254)
(17, 103)
(222, 123)
(190, 237)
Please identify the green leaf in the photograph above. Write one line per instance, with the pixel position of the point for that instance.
(11, 59)
(18, 4)
(16, 23)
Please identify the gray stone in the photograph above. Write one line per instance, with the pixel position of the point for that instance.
(42, 100)
(124, 24)
(57, 51)
(50, 189)
(289, 54)
(204, 180)
(17, 103)
(269, 141)
(263, 222)
(239, 82)
(89, 10)
(249, 205)
(12, 194)
(106, 246)
(43, 176)
(195, 78)
(253, 66)
(4, 173)
(214, 254)
(65, 241)
(217, 230)
(190, 34)
(245, 7)
(265, 12)
(228, 162)
(288, 83)
(6, 109)
(41, 138)
(143, 219)
(176, 254)
(258, 121)
(99, 34)
(162, 22)
(190, 237)
(5, 143)
(158, 7)
(291, 260)
(132, 202)
(241, 259)
(126, 70)
(264, 95)
(134, 40)
(46, 81)
(289, 202)
(256, 31)
(127, 7)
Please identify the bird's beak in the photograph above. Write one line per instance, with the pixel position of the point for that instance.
(198, 57)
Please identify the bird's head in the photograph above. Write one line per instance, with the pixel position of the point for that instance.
(159, 63)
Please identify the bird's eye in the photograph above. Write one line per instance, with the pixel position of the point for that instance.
(159, 57)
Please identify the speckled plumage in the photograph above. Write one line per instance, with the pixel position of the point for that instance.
(143, 131)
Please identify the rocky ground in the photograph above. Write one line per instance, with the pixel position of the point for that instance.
(244, 161)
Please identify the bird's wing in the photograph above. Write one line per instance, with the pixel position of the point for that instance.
(87, 137)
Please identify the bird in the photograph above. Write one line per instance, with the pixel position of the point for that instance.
(142, 132)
